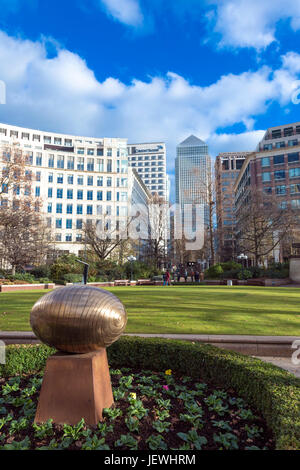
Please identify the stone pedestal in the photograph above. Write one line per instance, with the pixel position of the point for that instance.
(295, 269)
(75, 386)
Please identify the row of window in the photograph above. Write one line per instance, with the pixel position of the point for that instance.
(278, 145)
(280, 174)
(90, 180)
(70, 224)
(100, 210)
(146, 158)
(90, 164)
(120, 196)
(282, 189)
(279, 159)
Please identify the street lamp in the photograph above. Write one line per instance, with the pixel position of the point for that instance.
(131, 259)
(242, 257)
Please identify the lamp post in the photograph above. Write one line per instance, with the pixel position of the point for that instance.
(131, 259)
(242, 257)
(86, 271)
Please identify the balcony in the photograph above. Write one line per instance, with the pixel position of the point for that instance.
(58, 148)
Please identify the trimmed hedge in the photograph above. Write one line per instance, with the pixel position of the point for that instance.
(271, 390)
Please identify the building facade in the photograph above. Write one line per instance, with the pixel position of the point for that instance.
(227, 168)
(192, 173)
(274, 170)
(149, 160)
(77, 180)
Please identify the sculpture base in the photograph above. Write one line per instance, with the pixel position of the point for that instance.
(74, 387)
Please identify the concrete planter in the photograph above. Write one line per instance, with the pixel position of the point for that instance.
(19, 287)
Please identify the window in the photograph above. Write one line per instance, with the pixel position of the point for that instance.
(90, 164)
(69, 223)
(278, 159)
(279, 175)
(100, 181)
(280, 190)
(49, 207)
(109, 152)
(79, 194)
(59, 208)
(100, 152)
(295, 188)
(51, 161)
(38, 159)
(279, 145)
(47, 139)
(50, 178)
(268, 147)
(60, 178)
(124, 197)
(100, 164)
(89, 210)
(99, 210)
(79, 209)
(265, 161)
(69, 208)
(57, 141)
(70, 179)
(268, 190)
(80, 164)
(68, 142)
(108, 195)
(68, 237)
(292, 143)
(266, 176)
(70, 163)
(90, 181)
(79, 224)
(58, 237)
(78, 237)
(293, 157)
(37, 191)
(90, 152)
(89, 195)
(50, 192)
(109, 166)
(60, 161)
(108, 210)
(295, 203)
(38, 176)
(109, 182)
(99, 195)
(59, 194)
(294, 172)
(80, 151)
(58, 223)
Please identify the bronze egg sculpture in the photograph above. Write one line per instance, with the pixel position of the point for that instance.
(78, 319)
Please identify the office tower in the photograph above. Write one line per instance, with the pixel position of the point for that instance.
(149, 160)
(227, 168)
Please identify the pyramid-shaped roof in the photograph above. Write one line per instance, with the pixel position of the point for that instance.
(191, 141)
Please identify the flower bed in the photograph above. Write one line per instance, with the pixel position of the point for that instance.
(152, 411)
(268, 392)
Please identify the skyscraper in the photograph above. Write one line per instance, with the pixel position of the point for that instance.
(192, 173)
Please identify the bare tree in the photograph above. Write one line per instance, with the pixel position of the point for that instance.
(104, 239)
(25, 238)
(263, 225)
(13, 175)
(155, 246)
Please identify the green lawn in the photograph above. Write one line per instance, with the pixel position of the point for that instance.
(202, 310)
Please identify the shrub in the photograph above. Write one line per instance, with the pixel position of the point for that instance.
(26, 277)
(41, 271)
(244, 274)
(272, 391)
(74, 278)
(214, 272)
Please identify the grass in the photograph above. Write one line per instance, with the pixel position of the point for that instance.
(186, 310)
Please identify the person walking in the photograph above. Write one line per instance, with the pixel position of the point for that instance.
(185, 275)
(168, 278)
(197, 276)
(164, 278)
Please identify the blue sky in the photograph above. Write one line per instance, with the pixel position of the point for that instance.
(224, 70)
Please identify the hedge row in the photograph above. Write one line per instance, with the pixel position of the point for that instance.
(272, 391)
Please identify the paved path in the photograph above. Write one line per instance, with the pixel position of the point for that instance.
(284, 363)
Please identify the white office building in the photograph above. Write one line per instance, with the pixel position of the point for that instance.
(77, 179)
(149, 160)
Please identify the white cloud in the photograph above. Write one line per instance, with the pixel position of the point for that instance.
(62, 94)
(252, 23)
(125, 11)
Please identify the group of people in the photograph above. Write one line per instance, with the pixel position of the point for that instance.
(194, 275)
